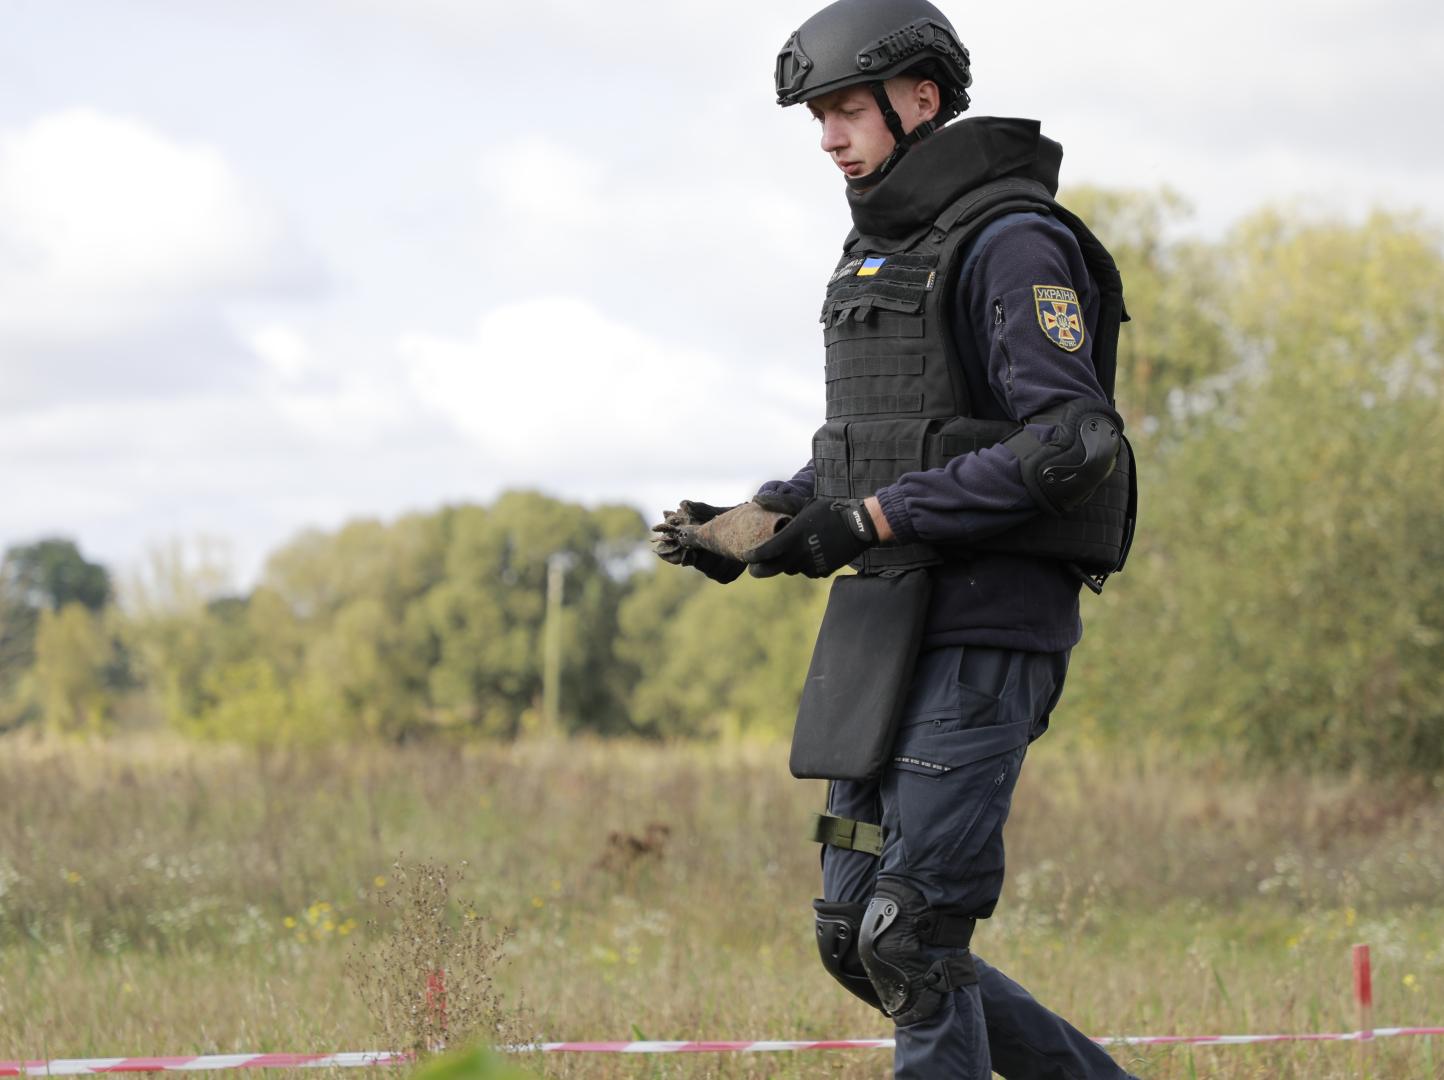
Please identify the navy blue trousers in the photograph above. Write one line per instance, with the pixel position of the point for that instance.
(942, 801)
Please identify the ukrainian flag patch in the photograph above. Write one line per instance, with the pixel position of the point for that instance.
(1060, 315)
(870, 266)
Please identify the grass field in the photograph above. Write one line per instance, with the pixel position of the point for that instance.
(163, 898)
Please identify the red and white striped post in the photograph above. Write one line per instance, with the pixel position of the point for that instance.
(1364, 1002)
(1364, 991)
(436, 1006)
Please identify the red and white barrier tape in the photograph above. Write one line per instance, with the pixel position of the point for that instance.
(86, 1066)
(1240, 1040)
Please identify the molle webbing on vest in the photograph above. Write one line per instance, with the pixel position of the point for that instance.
(871, 404)
(848, 456)
(896, 285)
(1095, 537)
(855, 367)
(896, 397)
(881, 325)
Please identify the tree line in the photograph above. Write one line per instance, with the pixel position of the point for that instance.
(1283, 602)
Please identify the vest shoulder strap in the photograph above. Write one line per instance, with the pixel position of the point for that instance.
(1111, 311)
(974, 211)
(993, 199)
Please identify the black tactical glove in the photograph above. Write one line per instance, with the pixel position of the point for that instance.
(780, 503)
(826, 534)
(717, 567)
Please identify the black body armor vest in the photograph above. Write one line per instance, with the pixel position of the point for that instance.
(897, 398)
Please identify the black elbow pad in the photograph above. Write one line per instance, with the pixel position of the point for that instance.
(1064, 471)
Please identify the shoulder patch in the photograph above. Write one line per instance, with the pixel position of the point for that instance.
(1060, 315)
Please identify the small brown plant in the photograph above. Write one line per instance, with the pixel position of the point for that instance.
(625, 850)
(426, 971)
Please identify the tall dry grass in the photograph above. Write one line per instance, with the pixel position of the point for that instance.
(157, 897)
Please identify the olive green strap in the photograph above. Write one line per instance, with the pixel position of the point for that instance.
(841, 832)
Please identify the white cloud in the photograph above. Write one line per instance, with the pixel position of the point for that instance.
(325, 397)
(538, 183)
(699, 249)
(360, 412)
(554, 392)
(256, 467)
(551, 384)
(106, 226)
(283, 350)
(542, 180)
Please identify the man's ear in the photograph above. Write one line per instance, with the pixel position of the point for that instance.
(929, 99)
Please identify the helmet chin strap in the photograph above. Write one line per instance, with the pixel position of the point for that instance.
(902, 140)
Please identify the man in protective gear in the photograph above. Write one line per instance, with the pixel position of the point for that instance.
(972, 468)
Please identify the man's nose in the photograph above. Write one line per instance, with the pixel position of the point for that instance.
(834, 136)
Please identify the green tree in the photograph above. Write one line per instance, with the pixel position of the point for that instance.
(51, 573)
(34, 578)
(1285, 592)
(488, 616)
(245, 701)
(719, 660)
(1174, 292)
(435, 621)
(73, 652)
(181, 626)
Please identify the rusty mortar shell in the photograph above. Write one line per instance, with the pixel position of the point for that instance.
(736, 534)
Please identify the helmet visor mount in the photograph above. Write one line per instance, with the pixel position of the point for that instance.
(792, 67)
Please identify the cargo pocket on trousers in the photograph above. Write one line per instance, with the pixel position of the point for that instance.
(946, 781)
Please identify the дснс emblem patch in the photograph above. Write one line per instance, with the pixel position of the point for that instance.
(1060, 315)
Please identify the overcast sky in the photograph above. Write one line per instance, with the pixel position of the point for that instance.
(267, 265)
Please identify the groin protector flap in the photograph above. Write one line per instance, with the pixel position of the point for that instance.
(861, 667)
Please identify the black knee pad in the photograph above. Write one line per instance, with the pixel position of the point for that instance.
(837, 933)
(896, 929)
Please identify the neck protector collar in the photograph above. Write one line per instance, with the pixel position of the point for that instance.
(910, 192)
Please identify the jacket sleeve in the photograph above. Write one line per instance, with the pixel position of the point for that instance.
(978, 494)
(802, 484)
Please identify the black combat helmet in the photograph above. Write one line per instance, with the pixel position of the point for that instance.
(857, 42)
